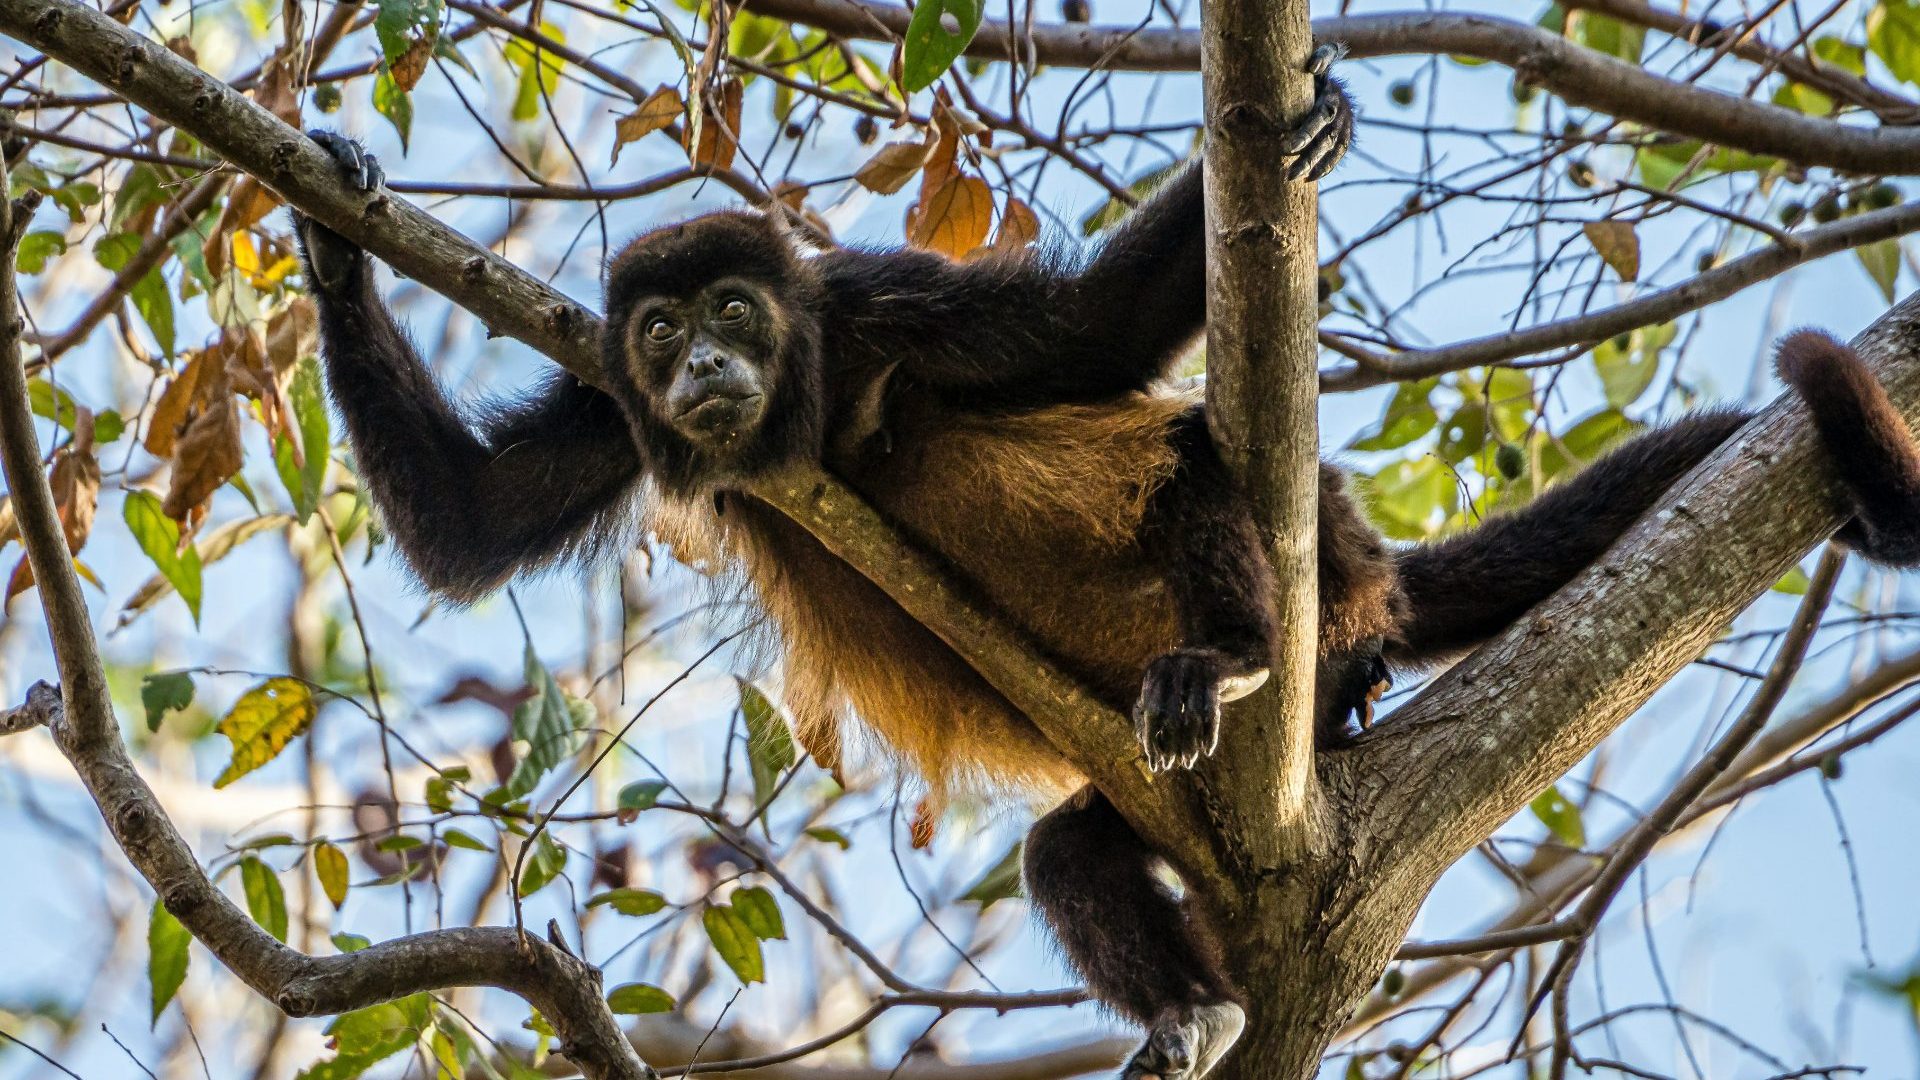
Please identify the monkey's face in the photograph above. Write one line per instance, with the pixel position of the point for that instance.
(705, 360)
(714, 339)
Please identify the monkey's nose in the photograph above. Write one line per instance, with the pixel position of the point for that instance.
(706, 365)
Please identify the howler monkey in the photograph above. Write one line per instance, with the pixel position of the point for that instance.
(1007, 413)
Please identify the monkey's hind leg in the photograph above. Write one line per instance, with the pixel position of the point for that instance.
(1141, 951)
(1872, 448)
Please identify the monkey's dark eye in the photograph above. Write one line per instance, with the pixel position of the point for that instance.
(662, 330)
(733, 310)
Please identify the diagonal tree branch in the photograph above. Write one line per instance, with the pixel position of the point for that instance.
(564, 988)
(1576, 74)
(1491, 733)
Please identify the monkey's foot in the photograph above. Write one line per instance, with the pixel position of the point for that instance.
(1187, 1048)
(333, 261)
(1177, 718)
(1322, 137)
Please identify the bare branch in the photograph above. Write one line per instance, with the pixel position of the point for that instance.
(1580, 76)
(1664, 305)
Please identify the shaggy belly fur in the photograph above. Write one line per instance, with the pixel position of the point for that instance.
(1037, 510)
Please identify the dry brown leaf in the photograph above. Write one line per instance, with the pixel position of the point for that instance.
(412, 64)
(292, 332)
(170, 412)
(274, 91)
(1019, 226)
(719, 131)
(943, 160)
(206, 455)
(75, 480)
(182, 47)
(888, 170)
(661, 109)
(1618, 245)
(955, 220)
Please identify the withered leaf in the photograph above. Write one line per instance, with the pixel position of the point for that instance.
(75, 479)
(896, 163)
(660, 110)
(955, 219)
(719, 125)
(1617, 244)
(1019, 226)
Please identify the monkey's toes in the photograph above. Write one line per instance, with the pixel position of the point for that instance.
(1187, 1048)
(1177, 718)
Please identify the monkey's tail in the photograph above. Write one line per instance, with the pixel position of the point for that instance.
(1873, 450)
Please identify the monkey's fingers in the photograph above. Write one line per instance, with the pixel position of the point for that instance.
(360, 168)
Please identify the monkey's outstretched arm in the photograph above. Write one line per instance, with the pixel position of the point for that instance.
(1037, 329)
(542, 478)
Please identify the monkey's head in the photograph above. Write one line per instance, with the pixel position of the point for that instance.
(713, 338)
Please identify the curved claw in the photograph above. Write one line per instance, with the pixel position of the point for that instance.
(358, 167)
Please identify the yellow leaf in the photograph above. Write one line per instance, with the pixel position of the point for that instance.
(262, 723)
(896, 163)
(955, 219)
(660, 110)
(330, 866)
(1617, 244)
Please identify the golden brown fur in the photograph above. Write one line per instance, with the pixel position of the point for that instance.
(1040, 509)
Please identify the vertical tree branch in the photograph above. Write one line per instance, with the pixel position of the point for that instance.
(1262, 394)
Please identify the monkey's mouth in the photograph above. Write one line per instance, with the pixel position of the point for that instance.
(721, 416)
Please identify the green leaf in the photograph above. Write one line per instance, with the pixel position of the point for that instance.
(539, 72)
(1882, 260)
(262, 723)
(636, 999)
(401, 25)
(365, 1037)
(770, 749)
(168, 691)
(51, 403)
(1561, 817)
(1000, 882)
(1663, 160)
(149, 295)
(543, 865)
(1627, 368)
(395, 104)
(330, 866)
(310, 417)
(937, 34)
(108, 426)
(1794, 583)
(630, 901)
(159, 536)
(167, 943)
(640, 795)
(760, 913)
(830, 836)
(553, 725)
(137, 190)
(456, 838)
(735, 942)
(36, 248)
(349, 943)
(1409, 416)
(1893, 35)
(266, 901)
